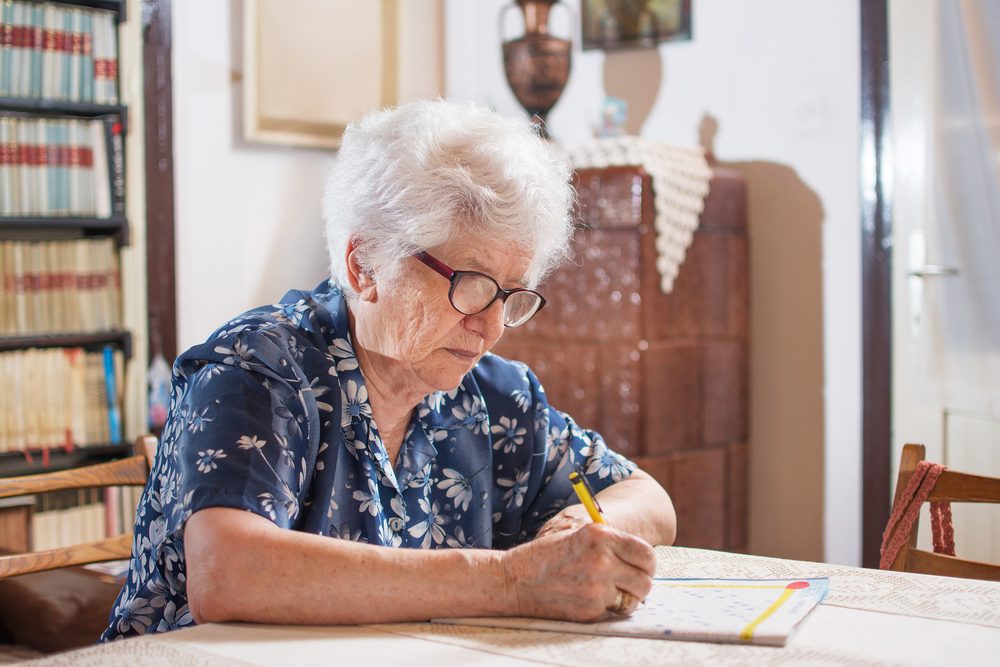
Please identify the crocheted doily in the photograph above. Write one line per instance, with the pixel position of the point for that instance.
(680, 182)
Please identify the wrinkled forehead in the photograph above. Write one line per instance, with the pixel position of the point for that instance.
(508, 263)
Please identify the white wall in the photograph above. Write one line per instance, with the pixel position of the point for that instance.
(247, 217)
(782, 78)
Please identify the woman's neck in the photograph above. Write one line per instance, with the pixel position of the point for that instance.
(391, 394)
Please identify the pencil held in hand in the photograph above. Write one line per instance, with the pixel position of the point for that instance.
(586, 497)
(624, 601)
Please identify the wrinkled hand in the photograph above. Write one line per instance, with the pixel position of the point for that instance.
(575, 575)
(570, 518)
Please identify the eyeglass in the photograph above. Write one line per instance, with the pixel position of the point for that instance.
(473, 292)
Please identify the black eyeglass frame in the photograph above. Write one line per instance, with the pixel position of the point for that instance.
(453, 277)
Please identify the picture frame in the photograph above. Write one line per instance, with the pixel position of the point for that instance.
(612, 25)
(310, 67)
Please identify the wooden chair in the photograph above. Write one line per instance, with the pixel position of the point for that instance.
(132, 471)
(950, 487)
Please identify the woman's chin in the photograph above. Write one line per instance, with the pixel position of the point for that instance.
(450, 375)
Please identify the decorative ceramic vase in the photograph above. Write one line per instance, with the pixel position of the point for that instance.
(537, 63)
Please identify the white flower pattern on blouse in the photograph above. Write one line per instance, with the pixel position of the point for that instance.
(271, 415)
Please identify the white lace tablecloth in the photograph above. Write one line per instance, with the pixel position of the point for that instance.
(680, 182)
(869, 618)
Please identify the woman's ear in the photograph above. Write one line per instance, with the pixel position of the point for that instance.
(362, 279)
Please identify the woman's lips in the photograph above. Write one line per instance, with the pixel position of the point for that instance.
(464, 354)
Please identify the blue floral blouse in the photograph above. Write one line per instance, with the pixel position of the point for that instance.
(271, 415)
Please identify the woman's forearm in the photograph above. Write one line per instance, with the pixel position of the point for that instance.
(640, 506)
(240, 567)
(637, 505)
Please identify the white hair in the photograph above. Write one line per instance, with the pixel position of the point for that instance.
(415, 177)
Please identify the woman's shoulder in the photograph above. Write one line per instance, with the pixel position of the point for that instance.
(277, 336)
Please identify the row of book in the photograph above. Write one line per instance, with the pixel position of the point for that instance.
(66, 518)
(59, 286)
(60, 397)
(60, 166)
(58, 52)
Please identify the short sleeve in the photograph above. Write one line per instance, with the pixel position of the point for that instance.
(543, 461)
(237, 440)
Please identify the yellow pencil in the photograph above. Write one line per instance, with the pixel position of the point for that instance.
(583, 493)
(624, 600)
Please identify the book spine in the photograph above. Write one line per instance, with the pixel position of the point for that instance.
(37, 49)
(87, 58)
(6, 280)
(75, 41)
(114, 414)
(77, 419)
(101, 170)
(6, 165)
(116, 166)
(102, 59)
(66, 55)
(65, 173)
(49, 52)
(39, 303)
(6, 43)
(34, 165)
(20, 291)
(14, 153)
(15, 49)
(40, 160)
(23, 161)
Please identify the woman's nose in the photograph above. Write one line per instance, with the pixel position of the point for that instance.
(488, 323)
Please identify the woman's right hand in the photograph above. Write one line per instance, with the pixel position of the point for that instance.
(576, 575)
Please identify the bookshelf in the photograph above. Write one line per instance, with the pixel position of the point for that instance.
(63, 128)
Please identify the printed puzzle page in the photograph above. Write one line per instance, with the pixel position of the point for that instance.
(754, 611)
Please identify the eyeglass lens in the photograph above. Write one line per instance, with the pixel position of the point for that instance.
(474, 292)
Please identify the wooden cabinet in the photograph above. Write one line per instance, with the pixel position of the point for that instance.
(663, 377)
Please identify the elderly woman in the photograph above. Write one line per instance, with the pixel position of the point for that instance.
(370, 410)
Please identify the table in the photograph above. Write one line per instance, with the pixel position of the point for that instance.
(870, 617)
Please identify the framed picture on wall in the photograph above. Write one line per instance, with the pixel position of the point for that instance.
(630, 24)
(311, 67)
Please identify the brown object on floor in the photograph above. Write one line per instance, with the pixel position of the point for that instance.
(950, 487)
(56, 610)
(663, 377)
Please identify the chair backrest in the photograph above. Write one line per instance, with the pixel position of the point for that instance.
(131, 471)
(951, 486)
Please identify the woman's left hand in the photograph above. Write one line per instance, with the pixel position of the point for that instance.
(569, 518)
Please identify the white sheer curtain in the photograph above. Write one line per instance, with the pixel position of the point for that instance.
(967, 165)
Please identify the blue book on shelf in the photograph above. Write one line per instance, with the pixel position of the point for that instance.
(114, 414)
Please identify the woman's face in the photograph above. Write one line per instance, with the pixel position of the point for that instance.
(419, 333)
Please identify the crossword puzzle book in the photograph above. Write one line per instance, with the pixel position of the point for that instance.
(749, 611)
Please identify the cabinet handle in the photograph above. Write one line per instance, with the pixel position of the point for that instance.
(934, 271)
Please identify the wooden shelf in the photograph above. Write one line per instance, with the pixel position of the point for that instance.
(13, 464)
(117, 227)
(122, 339)
(49, 107)
(117, 6)
(111, 5)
